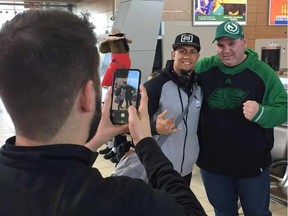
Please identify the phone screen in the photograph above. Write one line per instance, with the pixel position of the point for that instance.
(125, 92)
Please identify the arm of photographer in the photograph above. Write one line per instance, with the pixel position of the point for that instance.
(169, 195)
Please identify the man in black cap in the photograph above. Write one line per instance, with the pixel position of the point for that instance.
(169, 95)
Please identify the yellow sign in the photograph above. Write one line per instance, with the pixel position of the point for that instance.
(234, 1)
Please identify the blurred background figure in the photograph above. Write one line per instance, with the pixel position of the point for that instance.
(153, 75)
(116, 44)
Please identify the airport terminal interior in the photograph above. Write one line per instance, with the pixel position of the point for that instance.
(154, 48)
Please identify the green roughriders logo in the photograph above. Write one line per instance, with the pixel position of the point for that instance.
(227, 98)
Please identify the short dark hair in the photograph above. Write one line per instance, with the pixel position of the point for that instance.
(46, 56)
(154, 74)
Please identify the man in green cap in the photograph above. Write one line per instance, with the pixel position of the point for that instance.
(243, 100)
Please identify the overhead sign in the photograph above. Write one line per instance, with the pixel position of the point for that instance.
(214, 12)
(278, 12)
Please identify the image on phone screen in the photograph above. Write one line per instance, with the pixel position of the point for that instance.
(125, 92)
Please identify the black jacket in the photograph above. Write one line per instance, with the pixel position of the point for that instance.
(59, 180)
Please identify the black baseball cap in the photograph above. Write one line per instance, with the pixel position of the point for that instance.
(187, 39)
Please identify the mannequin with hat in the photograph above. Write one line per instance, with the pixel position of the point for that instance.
(117, 44)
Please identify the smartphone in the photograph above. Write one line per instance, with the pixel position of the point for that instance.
(125, 92)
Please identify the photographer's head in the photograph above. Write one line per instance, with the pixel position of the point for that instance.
(49, 73)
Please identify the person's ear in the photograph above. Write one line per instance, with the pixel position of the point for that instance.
(173, 55)
(198, 56)
(87, 97)
(245, 42)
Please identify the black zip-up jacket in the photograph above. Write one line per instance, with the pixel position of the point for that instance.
(59, 180)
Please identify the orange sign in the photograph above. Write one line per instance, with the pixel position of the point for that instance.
(278, 12)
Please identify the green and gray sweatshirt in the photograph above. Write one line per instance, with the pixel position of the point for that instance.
(230, 144)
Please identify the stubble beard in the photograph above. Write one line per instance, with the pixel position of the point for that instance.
(96, 118)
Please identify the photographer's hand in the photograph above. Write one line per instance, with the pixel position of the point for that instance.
(139, 121)
(106, 130)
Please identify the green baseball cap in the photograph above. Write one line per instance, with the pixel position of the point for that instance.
(229, 29)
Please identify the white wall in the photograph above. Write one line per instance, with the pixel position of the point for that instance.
(142, 28)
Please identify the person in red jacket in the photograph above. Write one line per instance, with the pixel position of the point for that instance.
(116, 44)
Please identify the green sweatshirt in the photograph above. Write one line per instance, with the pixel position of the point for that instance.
(229, 143)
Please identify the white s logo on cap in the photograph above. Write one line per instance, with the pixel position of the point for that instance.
(231, 28)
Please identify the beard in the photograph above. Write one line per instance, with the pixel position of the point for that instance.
(96, 118)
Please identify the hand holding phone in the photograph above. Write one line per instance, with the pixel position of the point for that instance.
(139, 124)
(125, 92)
(106, 130)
